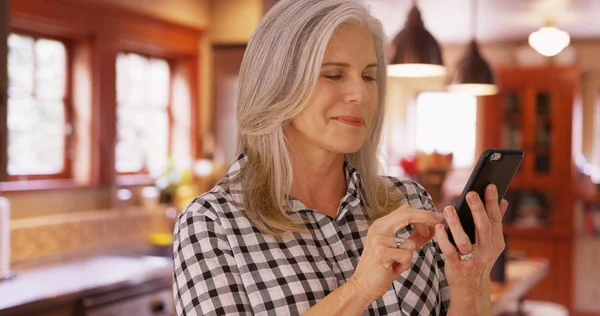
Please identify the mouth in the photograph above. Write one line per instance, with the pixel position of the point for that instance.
(350, 120)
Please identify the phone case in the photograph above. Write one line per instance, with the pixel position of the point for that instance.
(495, 165)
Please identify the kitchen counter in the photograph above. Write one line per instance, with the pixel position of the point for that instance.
(50, 287)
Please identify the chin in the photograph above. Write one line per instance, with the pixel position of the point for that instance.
(347, 146)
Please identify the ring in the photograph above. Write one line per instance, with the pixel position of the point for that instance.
(399, 241)
(467, 256)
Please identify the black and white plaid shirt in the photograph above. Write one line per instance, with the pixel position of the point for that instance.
(224, 266)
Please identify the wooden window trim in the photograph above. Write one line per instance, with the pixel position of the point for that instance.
(143, 176)
(40, 185)
(66, 173)
(107, 30)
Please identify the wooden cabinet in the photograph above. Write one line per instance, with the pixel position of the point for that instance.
(534, 112)
(587, 278)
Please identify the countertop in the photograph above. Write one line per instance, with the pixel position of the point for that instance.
(46, 287)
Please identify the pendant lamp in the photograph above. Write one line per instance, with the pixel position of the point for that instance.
(417, 53)
(473, 74)
(549, 40)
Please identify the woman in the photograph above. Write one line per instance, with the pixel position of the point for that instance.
(302, 224)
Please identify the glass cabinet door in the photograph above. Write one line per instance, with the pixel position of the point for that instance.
(512, 131)
(543, 132)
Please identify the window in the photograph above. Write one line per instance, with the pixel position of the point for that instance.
(143, 93)
(38, 116)
(446, 122)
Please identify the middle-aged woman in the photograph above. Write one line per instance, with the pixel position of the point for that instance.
(303, 223)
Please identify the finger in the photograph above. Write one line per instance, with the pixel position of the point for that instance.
(503, 207)
(422, 229)
(402, 217)
(449, 251)
(463, 243)
(389, 242)
(483, 226)
(491, 204)
(493, 210)
(422, 240)
(498, 231)
(400, 256)
(391, 255)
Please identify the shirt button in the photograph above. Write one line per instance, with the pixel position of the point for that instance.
(339, 249)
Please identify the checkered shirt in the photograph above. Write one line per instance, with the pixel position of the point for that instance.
(225, 266)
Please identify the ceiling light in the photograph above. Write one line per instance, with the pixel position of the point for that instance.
(473, 74)
(549, 40)
(417, 53)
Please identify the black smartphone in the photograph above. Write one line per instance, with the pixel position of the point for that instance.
(495, 165)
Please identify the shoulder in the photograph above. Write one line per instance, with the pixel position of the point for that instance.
(214, 205)
(413, 193)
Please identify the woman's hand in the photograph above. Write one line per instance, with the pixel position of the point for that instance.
(470, 279)
(382, 259)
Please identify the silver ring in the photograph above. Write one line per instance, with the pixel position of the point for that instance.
(468, 256)
(399, 241)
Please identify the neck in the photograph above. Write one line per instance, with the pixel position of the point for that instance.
(319, 180)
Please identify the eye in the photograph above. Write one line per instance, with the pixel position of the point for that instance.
(369, 78)
(333, 77)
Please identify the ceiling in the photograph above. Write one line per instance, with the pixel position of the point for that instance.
(498, 20)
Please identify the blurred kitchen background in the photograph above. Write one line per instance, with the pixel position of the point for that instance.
(114, 114)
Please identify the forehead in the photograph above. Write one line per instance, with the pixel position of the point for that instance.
(351, 42)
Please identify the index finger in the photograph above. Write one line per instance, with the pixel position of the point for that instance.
(405, 215)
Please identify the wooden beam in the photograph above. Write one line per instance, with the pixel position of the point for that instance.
(4, 16)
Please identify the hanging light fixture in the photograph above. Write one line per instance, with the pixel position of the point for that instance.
(549, 40)
(417, 53)
(473, 74)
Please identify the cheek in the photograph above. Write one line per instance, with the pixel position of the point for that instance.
(373, 102)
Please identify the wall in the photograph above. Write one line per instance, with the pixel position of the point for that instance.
(193, 13)
(233, 21)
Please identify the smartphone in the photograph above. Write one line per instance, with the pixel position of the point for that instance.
(495, 165)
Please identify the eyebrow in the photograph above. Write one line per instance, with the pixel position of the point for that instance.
(331, 63)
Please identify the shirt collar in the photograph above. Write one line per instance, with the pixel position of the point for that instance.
(352, 198)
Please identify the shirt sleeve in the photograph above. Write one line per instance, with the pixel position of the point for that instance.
(444, 290)
(206, 278)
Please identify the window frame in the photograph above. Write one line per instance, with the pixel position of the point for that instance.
(144, 174)
(66, 173)
(98, 31)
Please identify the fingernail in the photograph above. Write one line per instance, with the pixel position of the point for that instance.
(492, 189)
(439, 227)
(471, 196)
(448, 211)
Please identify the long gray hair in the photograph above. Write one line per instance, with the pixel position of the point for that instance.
(279, 73)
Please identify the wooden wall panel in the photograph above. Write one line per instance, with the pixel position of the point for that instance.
(4, 18)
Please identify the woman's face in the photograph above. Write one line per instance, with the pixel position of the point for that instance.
(342, 106)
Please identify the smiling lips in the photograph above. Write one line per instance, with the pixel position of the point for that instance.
(350, 120)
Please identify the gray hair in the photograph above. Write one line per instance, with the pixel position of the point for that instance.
(278, 75)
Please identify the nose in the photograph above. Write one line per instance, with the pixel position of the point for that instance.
(356, 91)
